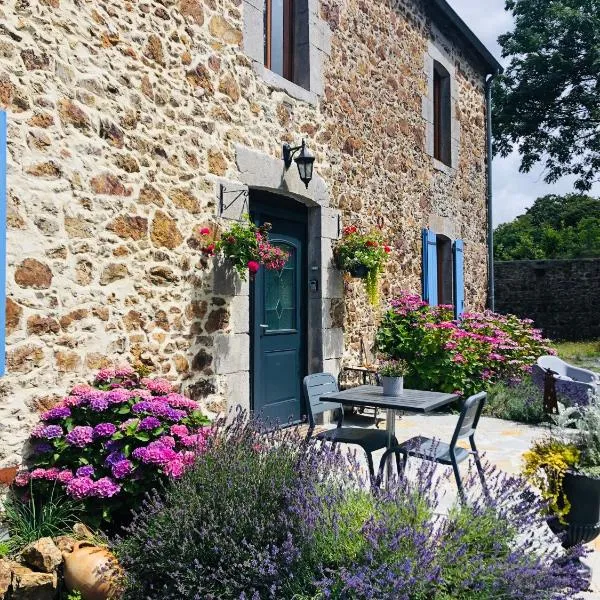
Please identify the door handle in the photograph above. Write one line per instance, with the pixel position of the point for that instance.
(263, 326)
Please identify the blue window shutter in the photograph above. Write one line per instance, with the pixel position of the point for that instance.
(2, 242)
(430, 291)
(459, 278)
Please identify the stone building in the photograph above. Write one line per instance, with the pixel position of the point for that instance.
(130, 124)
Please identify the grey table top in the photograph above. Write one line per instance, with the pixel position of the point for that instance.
(418, 401)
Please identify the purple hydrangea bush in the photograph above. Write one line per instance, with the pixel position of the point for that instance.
(109, 443)
(273, 517)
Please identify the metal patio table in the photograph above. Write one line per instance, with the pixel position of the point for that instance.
(414, 401)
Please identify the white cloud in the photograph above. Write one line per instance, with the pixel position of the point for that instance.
(513, 191)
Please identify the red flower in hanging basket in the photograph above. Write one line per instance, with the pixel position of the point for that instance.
(209, 250)
(371, 243)
(253, 267)
(387, 249)
(350, 230)
(204, 231)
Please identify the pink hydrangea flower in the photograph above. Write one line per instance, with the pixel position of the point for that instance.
(159, 387)
(65, 476)
(22, 478)
(80, 487)
(80, 436)
(105, 375)
(124, 371)
(80, 390)
(179, 430)
(175, 468)
(73, 401)
(118, 396)
(122, 468)
(105, 487)
(104, 430)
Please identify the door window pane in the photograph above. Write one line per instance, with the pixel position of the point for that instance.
(280, 293)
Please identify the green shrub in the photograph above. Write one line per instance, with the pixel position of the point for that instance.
(457, 356)
(521, 401)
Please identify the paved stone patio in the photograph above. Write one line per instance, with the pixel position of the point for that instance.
(502, 442)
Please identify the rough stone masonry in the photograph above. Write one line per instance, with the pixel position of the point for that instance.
(124, 116)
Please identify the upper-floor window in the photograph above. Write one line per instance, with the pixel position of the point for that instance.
(287, 40)
(442, 114)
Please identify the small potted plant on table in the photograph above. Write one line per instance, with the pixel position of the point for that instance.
(392, 374)
(566, 468)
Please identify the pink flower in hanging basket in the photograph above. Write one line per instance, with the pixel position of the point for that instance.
(253, 267)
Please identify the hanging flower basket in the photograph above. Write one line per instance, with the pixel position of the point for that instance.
(247, 247)
(362, 255)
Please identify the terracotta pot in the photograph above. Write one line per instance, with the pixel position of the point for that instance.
(92, 571)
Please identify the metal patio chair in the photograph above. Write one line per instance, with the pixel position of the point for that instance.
(445, 454)
(370, 440)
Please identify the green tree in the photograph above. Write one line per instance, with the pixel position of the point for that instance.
(554, 227)
(547, 103)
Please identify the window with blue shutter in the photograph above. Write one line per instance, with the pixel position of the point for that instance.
(430, 267)
(459, 278)
(3, 161)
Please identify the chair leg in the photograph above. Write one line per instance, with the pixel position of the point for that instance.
(459, 484)
(480, 470)
(371, 468)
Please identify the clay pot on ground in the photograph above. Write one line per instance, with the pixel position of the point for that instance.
(93, 571)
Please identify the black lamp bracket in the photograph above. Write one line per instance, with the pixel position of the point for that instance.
(288, 153)
(226, 204)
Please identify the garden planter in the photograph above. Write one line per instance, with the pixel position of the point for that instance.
(583, 520)
(360, 271)
(92, 571)
(392, 386)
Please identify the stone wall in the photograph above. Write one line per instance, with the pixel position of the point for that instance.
(125, 118)
(561, 296)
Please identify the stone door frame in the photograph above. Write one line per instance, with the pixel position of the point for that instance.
(325, 340)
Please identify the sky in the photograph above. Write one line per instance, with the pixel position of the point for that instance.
(513, 191)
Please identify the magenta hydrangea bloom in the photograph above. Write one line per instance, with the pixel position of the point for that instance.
(65, 476)
(179, 430)
(38, 474)
(122, 469)
(159, 387)
(167, 440)
(85, 471)
(80, 436)
(118, 396)
(80, 390)
(58, 412)
(149, 423)
(141, 394)
(155, 453)
(179, 401)
(104, 430)
(99, 403)
(80, 487)
(22, 478)
(73, 401)
(124, 371)
(175, 468)
(105, 375)
(105, 487)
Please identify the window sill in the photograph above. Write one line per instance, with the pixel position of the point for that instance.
(438, 165)
(277, 82)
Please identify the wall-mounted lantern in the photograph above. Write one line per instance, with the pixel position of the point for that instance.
(304, 160)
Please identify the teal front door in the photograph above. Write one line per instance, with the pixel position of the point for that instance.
(278, 314)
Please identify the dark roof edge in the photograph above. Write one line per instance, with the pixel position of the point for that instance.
(488, 58)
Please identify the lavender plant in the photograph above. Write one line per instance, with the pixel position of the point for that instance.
(271, 517)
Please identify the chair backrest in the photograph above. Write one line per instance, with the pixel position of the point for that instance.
(315, 386)
(553, 363)
(469, 417)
